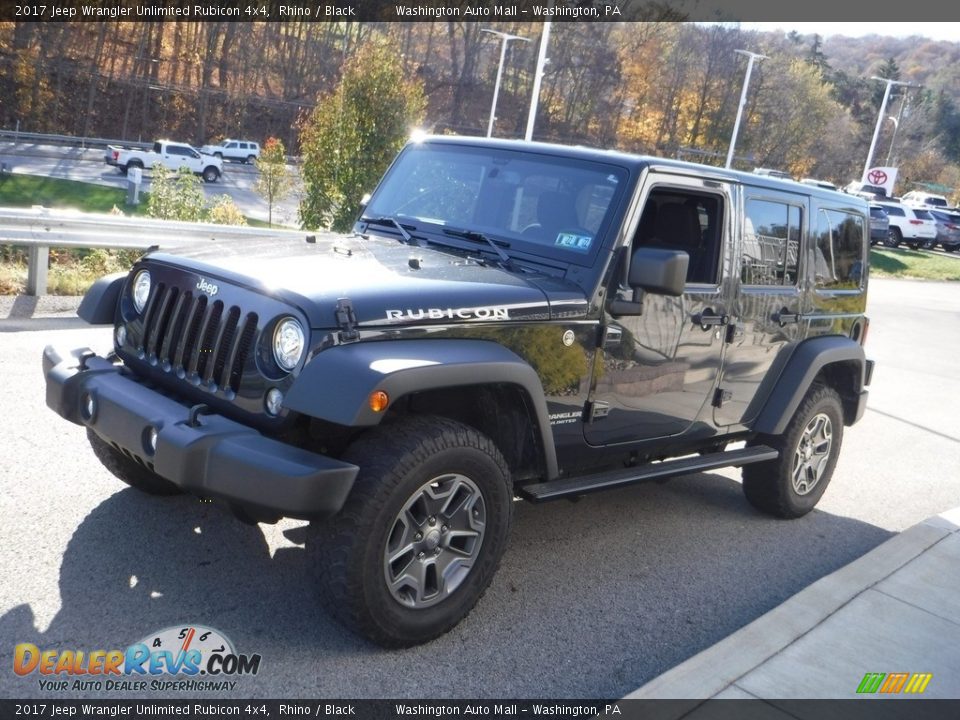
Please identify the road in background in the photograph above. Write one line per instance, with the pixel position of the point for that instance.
(87, 165)
(593, 598)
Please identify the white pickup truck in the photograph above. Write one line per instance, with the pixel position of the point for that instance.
(170, 155)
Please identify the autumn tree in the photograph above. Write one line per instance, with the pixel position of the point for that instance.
(354, 132)
(175, 196)
(275, 179)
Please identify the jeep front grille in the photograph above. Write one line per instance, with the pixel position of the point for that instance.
(196, 339)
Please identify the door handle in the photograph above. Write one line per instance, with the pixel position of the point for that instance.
(708, 318)
(783, 316)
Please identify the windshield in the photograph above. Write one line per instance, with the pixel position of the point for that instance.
(551, 206)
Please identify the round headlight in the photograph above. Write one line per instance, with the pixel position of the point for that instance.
(141, 290)
(288, 343)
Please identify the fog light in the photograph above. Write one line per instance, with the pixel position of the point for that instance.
(150, 435)
(88, 406)
(274, 401)
(121, 335)
(379, 401)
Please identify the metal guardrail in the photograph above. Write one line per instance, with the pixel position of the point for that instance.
(50, 139)
(40, 229)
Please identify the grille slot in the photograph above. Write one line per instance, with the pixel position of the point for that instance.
(197, 339)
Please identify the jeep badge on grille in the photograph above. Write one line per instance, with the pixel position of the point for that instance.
(209, 288)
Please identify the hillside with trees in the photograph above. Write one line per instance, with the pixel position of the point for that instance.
(660, 87)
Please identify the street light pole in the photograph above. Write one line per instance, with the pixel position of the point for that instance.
(883, 109)
(538, 76)
(504, 39)
(752, 56)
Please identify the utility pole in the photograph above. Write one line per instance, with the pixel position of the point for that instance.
(883, 109)
(752, 56)
(505, 38)
(538, 76)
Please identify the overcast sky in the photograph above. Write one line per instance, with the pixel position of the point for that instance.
(937, 31)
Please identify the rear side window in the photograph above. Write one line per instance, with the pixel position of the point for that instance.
(771, 243)
(838, 264)
(877, 213)
(922, 214)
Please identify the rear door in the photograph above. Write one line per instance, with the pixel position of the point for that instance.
(769, 297)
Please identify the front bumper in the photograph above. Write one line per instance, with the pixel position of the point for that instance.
(213, 457)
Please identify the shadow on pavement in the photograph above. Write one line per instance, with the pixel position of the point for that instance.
(593, 598)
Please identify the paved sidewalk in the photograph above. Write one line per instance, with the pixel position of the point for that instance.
(894, 610)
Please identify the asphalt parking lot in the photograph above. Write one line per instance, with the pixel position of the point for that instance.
(593, 599)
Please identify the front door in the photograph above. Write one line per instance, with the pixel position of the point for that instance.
(656, 373)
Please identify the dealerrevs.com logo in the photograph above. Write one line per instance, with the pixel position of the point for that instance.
(205, 656)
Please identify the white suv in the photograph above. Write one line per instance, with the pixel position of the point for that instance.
(912, 226)
(918, 198)
(240, 150)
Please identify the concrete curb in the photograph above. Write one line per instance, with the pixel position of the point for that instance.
(717, 668)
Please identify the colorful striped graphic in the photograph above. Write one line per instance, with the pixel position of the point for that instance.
(893, 683)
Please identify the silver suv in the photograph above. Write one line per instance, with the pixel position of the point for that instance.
(240, 150)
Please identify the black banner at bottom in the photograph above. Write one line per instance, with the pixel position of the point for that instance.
(859, 709)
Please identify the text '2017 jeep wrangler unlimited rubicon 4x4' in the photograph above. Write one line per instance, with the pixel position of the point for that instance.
(508, 320)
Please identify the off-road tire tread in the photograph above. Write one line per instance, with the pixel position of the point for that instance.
(386, 455)
(133, 474)
(763, 483)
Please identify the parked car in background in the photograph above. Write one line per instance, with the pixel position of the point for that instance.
(825, 184)
(948, 229)
(918, 198)
(879, 225)
(866, 191)
(906, 226)
(240, 150)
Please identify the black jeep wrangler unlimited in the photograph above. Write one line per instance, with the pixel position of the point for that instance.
(508, 320)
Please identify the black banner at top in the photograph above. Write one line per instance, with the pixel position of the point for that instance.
(438, 709)
(473, 10)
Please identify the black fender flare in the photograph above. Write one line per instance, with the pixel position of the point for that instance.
(336, 384)
(801, 368)
(99, 304)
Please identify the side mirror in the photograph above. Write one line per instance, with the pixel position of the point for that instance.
(658, 271)
(654, 270)
(363, 202)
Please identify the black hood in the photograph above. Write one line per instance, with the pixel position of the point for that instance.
(387, 282)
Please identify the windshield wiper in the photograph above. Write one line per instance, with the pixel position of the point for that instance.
(506, 261)
(387, 220)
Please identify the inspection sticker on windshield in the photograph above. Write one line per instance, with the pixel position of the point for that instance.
(573, 241)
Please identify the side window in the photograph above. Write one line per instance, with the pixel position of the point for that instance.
(680, 219)
(839, 250)
(174, 150)
(771, 243)
(231, 146)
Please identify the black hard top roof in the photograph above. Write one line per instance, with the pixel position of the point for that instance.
(639, 162)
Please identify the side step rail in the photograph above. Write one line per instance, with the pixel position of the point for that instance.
(641, 473)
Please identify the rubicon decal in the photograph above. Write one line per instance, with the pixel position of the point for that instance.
(475, 313)
(189, 650)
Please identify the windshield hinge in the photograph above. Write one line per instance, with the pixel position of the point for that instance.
(347, 320)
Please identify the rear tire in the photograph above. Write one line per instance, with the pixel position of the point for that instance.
(791, 485)
(251, 159)
(421, 534)
(130, 471)
(894, 238)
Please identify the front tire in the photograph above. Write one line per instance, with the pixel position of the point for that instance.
(422, 533)
(791, 485)
(210, 174)
(130, 471)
